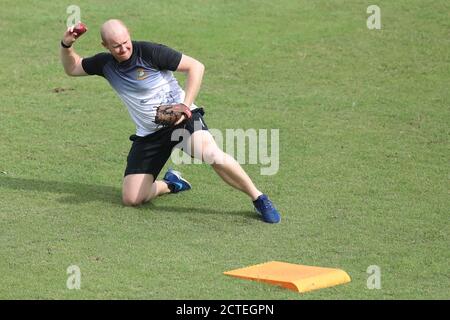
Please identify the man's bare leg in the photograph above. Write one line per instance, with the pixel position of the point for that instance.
(204, 147)
(140, 188)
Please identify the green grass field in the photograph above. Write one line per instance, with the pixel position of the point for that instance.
(364, 119)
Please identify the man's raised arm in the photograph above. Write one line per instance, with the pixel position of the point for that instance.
(70, 60)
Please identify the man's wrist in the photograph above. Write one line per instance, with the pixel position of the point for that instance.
(65, 45)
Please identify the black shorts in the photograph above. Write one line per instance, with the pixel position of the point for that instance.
(149, 154)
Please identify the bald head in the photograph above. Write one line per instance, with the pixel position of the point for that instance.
(112, 29)
(116, 38)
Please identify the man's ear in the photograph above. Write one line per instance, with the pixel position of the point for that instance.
(104, 45)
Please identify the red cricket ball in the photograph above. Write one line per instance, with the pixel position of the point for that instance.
(79, 29)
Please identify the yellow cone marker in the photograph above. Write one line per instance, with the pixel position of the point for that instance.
(295, 277)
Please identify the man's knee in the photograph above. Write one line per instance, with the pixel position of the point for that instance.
(135, 190)
(132, 200)
(213, 155)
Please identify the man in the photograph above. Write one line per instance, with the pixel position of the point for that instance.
(141, 74)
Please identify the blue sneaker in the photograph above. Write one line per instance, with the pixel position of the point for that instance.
(175, 182)
(265, 208)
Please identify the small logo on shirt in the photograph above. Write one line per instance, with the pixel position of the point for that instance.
(141, 75)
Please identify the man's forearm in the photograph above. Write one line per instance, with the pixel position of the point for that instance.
(193, 83)
(69, 59)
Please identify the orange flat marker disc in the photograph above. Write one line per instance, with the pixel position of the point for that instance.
(295, 277)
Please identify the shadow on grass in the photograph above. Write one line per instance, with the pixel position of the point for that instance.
(76, 193)
(249, 214)
(73, 192)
